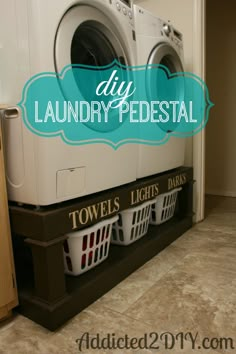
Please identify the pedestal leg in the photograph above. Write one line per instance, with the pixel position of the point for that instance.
(186, 200)
(49, 278)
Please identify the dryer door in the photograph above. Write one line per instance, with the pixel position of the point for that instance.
(166, 56)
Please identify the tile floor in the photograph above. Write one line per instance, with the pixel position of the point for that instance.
(189, 287)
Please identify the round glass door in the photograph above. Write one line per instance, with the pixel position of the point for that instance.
(167, 59)
(87, 36)
(165, 55)
(92, 45)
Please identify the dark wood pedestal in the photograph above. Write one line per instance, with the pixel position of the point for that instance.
(46, 294)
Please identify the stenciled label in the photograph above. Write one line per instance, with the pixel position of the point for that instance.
(144, 194)
(177, 181)
(92, 213)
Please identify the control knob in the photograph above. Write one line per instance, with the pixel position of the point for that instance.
(167, 29)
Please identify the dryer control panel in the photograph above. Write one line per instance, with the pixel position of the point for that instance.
(170, 33)
(176, 37)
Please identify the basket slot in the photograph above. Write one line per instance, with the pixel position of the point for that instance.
(167, 213)
(90, 258)
(105, 249)
(134, 217)
(66, 247)
(101, 252)
(136, 231)
(137, 217)
(154, 215)
(119, 222)
(162, 214)
(143, 227)
(164, 204)
(140, 215)
(132, 233)
(98, 237)
(114, 232)
(103, 233)
(144, 213)
(96, 255)
(139, 229)
(85, 241)
(91, 241)
(108, 231)
(69, 263)
(83, 261)
(121, 235)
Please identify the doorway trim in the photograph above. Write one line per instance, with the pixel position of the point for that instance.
(199, 32)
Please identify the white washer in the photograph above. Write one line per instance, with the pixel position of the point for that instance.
(40, 36)
(159, 43)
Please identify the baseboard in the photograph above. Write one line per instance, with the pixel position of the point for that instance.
(4, 313)
(221, 193)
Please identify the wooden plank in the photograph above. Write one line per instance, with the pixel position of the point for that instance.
(8, 292)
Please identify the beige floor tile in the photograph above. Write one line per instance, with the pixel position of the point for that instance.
(208, 242)
(95, 320)
(132, 288)
(199, 295)
(22, 336)
(221, 222)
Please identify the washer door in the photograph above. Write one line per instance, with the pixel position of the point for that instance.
(87, 36)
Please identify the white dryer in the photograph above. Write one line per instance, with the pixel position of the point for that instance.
(158, 42)
(44, 36)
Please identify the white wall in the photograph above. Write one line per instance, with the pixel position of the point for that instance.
(221, 79)
(181, 14)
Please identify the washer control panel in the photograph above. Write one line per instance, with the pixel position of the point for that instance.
(124, 7)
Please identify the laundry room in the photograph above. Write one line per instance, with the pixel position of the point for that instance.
(117, 176)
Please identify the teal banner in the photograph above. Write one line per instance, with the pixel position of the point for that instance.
(115, 105)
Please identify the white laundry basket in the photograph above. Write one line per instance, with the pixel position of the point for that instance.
(164, 207)
(132, 224)
(87, 248)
